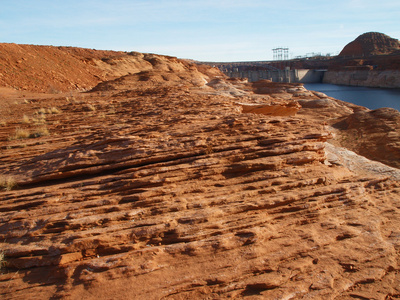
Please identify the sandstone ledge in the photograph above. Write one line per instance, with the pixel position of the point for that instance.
(168, 189)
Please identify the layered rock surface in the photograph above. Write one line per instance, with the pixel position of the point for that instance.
(373, 134)
(164, 184)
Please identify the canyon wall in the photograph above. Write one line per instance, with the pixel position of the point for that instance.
(369, 78)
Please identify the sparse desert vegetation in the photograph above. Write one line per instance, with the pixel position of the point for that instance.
(2, 260)
(40, 115)
(89, 107)
(39, 119)
(7, 182)
(25, 119)
(40, 131)
(54, 110)
(22, 133)
(41, 111)
(50, 110)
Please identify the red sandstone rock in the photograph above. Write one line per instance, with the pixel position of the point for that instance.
(158, 184)
(60, 69)
(283, 109)
(371, 43)
(374, 134)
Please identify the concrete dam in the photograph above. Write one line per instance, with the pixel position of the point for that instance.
(277, 75)
(368, 78)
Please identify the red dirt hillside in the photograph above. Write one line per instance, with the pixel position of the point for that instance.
(60, 69)
(167, 180)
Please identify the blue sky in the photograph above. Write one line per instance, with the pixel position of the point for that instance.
(205, 30)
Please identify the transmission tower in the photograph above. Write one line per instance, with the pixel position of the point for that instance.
(281, 53)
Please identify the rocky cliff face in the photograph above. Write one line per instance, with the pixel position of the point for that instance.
(364, 131)
(359, 77)
(371, 43)
(175, 182)
(375, 62)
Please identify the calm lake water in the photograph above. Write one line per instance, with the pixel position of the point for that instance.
(372, 98)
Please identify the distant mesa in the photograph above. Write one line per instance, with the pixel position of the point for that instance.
(371, 43)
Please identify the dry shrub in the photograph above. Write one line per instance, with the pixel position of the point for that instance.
(54, 110)
(20, 134)
(7, 183)
(41, 119)
(2, 260)
(41, 131)
(24, 133)
(25, 119)
(89, 107)
(41, 111)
